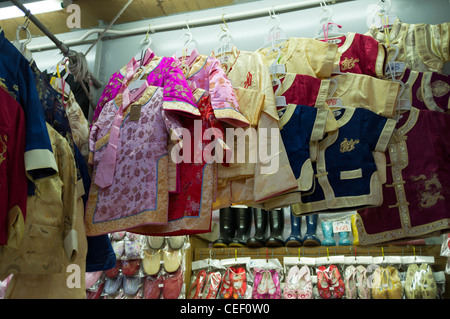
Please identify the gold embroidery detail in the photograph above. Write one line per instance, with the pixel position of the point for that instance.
(3, 148)
(429, 190)
(3, 85)
(419, 94)
(348, 63)
(440, 88)
(347, 146)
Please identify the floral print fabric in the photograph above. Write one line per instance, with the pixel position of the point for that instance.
(138, 195)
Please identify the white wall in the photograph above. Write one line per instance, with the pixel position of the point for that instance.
(246, 34)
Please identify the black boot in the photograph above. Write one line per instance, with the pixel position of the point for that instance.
(259, 238)
(227, 227)
(243, 226)
(276, 223)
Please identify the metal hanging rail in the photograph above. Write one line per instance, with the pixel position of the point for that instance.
(60, 45)
(208, 20)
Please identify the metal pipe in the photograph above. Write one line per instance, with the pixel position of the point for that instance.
(208, 20)
(60, 45)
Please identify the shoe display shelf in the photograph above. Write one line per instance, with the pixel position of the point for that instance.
(200, 249)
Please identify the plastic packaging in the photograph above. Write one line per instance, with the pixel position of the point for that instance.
(235, 282)
(163, 268)
(356, 277)
(386, 282)
(206, 279)
(142, 272)
(420, 282)
(330, 281)
(267, 277)
(445, 246)
(298, 278)
(337, 230)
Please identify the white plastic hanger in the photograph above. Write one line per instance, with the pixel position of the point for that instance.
(147, 41)
(378, 12)
(22, 46)
(189, 46)
(189, 52)
(226, 44)
(276, 34)
(327, 28)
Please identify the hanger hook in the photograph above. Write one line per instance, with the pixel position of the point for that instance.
(224, 22)
(188, 34)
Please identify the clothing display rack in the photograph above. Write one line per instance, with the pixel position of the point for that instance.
(204, 21)
(60, 45)
(356, 208)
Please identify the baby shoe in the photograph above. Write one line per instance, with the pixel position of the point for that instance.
(91, 278)
(327, 229)
(95, 294)
(118, 247)
(176, 242)
(379, 290)
(152, 287)
(226, 290)
(113, 272)
(323, 285)
(362, 283)
(394, 285)
(337, 286)
(132, 248)
(132, 284)
(197, 286)
(350, 282)
(112, 285)
(428, 286)
(239, 283)
(291, 284)
(172, 260)
(274, 287)
(131, 267)
(156, 242)
(412, 287)
(133, 236)
(151, 262)
(259, 284)
(118, 235)
(305, 283)
(212, 285)
(173, 283)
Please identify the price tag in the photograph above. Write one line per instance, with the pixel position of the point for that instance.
(135, 112)
(274, 36)
(397, 67)
(335, 41)
(342, 226)
(334, 101)
(280, 101)
(277, 69)
(404, 104)
(222, 49)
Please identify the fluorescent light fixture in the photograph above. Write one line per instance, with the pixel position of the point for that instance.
(11, 11)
